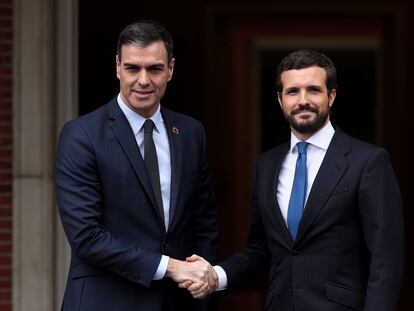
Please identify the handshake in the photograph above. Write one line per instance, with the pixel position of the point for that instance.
(195, 274)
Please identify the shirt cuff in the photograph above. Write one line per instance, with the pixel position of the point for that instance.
(162, 268)
(222, 278)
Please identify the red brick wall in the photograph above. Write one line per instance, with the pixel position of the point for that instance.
(6, 85)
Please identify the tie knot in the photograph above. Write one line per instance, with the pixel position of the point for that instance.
(302, 147)
(148, 126)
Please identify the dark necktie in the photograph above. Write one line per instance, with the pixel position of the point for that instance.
(298, 194)
(151, 162)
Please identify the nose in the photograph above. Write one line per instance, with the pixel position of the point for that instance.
(303, 100)
(143, 78)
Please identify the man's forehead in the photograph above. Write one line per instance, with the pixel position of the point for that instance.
(310, 74)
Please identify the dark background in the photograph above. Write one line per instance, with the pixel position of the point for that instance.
(225, 78)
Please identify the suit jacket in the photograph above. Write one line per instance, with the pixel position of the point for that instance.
(348, 254)
(108, 210)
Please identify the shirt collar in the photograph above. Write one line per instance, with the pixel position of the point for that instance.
(136, 120)
(320, 139)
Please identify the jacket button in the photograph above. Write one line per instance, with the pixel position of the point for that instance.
(290, 289)
(295, 253)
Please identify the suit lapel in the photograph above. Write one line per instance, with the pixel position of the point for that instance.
(330, 173)
(122, 130)
(271, 178)
(173, 133)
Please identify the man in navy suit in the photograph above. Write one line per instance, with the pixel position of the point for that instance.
(129, 235)
(343, 248)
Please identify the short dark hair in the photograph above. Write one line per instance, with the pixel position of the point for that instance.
(143, 33)
(304, 59)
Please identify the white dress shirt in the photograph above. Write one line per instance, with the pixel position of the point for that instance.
(318, 145)
(162, 146)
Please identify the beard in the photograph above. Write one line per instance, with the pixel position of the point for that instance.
(308, 126)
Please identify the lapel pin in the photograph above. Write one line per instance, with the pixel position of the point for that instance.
(175, 130)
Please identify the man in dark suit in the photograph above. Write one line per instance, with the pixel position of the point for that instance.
(327, 223)
(134, 190)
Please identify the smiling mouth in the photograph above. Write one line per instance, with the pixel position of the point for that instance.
(304, 112)
(142, 93)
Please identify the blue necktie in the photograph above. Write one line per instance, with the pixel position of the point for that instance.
(298, 194)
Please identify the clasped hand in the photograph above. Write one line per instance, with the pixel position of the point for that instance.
(195, 274)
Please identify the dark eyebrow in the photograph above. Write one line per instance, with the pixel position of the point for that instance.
(131, 65)
(156, 66)
(293, 88)
(314, 87)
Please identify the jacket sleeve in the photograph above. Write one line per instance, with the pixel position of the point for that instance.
(80, 204)
(382, 223)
